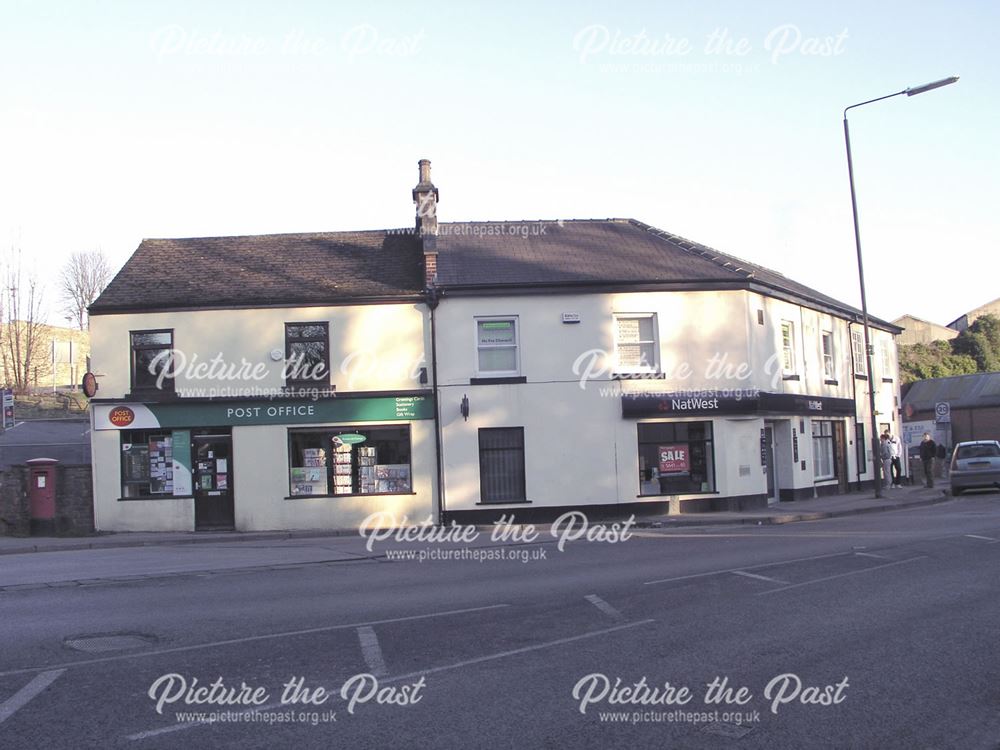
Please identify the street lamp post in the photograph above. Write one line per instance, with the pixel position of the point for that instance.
(869, 349)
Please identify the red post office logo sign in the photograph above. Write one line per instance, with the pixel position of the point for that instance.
(121, 416)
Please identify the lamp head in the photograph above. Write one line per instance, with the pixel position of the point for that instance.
(914, 90)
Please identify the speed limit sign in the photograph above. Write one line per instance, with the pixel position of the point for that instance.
(942, 411)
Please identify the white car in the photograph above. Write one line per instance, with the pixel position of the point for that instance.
(975, 465)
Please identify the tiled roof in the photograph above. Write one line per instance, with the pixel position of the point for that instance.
(331, 267)
(975, 391)
(318, 268)
(609, 251)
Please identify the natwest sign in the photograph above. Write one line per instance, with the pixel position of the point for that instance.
(746, 401)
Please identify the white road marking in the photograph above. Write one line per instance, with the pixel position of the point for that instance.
(984, 538)
(842, 575)
(515, 652)
(372, 651)
(411, 675)
(24, 695)
(759, 578)
(872, 554)
(604, 607)
(747, 567)
(252, 638)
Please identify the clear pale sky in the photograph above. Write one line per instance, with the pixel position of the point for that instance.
(120, 121)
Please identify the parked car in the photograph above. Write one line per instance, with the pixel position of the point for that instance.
(975, 464)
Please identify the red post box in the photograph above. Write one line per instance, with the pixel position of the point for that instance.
(42, 495)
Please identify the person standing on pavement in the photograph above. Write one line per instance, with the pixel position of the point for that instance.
(885, 454)
(928, 450)
(895, 451)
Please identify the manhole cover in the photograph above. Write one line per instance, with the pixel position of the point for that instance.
(96, 644)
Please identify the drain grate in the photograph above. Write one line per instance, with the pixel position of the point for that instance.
(99, 644)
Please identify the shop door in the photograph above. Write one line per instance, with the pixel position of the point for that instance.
(213, 486)
(840, 456)
(769, 467)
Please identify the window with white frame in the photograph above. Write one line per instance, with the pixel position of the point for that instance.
(885, 345)
(858, 349)
(787, 346)
(497, 346)
(823, 463)
(636, 348)
(829, 364)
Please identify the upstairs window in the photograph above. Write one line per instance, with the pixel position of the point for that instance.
(858, 349)
(152, 360)
(887, 358)
(636, 349)
(787, 347)
(497, 346)
(829, 368)
(307, 354)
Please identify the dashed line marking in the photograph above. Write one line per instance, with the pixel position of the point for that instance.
(372, 651)
(604, 607)
(872, 554)
(759, 577)
(411, 675)
(252, 638)
(843, 575)
(21, 698)
(984, 538)
(747, 567)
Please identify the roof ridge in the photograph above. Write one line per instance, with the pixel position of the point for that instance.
(704, 251)
(278, 234)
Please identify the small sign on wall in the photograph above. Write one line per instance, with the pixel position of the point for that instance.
(674, 459)
(571, 318)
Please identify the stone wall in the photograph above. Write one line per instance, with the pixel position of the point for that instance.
(15, 511)
(74, 501)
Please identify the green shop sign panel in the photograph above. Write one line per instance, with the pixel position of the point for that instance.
(284, 411)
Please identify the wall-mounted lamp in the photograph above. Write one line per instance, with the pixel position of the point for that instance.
(464, 408)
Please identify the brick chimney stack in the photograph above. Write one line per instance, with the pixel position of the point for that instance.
(425, 196)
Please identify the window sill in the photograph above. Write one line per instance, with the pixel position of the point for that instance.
(824, 480)
(680, 494)
(641, 375)
(507, 502)
(151, 394)
(831, 382)
(155, 497)
(499, 380)
(790, 377)
(337, 497)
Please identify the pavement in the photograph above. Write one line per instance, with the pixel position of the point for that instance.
(346, 544)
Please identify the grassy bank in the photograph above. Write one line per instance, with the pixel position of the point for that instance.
(48, 405)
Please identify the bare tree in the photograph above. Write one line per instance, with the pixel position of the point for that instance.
(22, 323)
(83, 278)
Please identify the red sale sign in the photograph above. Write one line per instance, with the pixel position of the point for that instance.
(674, 459)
